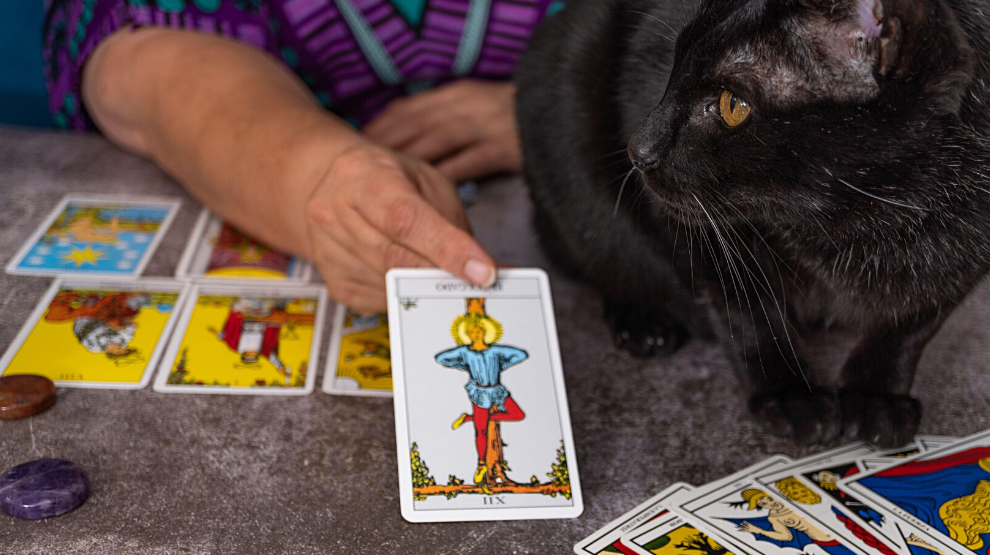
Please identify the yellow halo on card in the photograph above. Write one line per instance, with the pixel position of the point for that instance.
(464, 322)
(245, 273)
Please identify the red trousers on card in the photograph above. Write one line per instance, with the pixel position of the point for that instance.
(481, 417)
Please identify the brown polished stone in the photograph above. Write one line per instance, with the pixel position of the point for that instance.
(25, 395)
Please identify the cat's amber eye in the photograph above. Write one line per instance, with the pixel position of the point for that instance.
(734, 110)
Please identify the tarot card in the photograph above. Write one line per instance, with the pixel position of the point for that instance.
(670, 534)
(762, 520)
(607, 540)
(931, 443)
(809, 485)
(479, 399)
(96, 236)
(944, 494)
(89, 333)
(823, 473)
(359, 361)
(218, 251)
(245, 340)
(888, 457)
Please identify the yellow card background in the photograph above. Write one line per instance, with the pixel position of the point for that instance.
(677, 537)
(370, 372)
(239, 272)
(209, 361)
(52, 350)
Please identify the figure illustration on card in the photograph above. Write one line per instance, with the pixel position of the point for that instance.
(476, 334)
(479, 353)
(254, 329)
(782, 526)
(104, 323)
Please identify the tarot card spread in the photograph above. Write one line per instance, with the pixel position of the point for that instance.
(96, 236)
(245, 341)
(479, 399)
(94, 334)
(944, 494)
(607, 540)
(360, 359)
(217, 251)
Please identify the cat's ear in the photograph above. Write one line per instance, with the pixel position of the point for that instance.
(923, 39)
(870, 22)
(917, 38)
(888, 30)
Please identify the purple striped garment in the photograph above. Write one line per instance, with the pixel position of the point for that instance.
(355, 55)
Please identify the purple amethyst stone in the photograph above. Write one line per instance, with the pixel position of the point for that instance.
(43, 488)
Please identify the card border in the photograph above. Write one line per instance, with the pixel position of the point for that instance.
(629, 539)
(401, 432)
(102, 284)
(845, 454)
(182, 269)
(679, 506)
(333, 353)
(649, 509)
(173, 204)
(165, 364)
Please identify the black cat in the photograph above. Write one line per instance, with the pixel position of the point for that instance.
(795, 164)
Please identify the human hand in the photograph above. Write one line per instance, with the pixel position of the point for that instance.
(467, 129)
(376, 210)
(748, 527)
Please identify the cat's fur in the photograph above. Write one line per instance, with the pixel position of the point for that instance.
(855, 196)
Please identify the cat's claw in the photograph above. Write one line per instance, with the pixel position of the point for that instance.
(807, 417)
(643, 331)
(881, 419)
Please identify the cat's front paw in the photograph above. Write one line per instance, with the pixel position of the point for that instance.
(644, 331)
(806, 416)
(881, 419)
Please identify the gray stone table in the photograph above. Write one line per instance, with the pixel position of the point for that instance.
(196, 474)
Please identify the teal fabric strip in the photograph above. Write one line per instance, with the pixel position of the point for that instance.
(473, 37)
(373, 48)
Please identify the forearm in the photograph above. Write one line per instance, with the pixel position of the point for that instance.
(237, 129)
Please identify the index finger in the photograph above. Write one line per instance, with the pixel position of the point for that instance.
(412, 222)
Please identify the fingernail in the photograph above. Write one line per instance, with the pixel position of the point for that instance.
(480, 273)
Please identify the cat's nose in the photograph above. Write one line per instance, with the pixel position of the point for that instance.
(643, 154)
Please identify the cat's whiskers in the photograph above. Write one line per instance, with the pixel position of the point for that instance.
(662, 22)
(621, 189)
(767, 288)
(872, 196)
(729, 252)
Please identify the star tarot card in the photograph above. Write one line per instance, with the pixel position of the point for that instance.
(943, 494)
(245, 340)
(218, 251)
(96, 236)
(482, 424)
(607, 540)
(670, 534)
(359, 361)
(88, 333)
